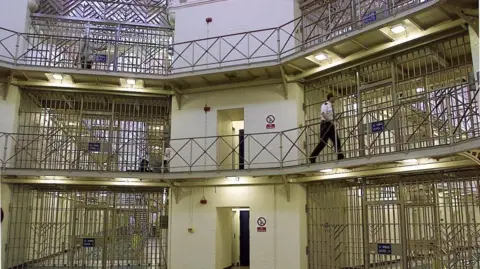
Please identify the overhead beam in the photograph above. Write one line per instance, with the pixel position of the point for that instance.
(73, 182)
(374, 50)
(90, 87)
(229, 86)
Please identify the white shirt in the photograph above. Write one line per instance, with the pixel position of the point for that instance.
(327, 110)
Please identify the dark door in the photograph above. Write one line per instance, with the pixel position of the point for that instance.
(241, 149)
(244, 238)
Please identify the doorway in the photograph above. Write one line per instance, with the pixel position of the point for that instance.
(230, 150)
(232, 238)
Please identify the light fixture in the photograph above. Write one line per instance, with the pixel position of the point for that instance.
(420, 89)
(57, 76)
(321, 57)
(398, 29)
(232, 178)
(157, 147)
(326, 170)
(130, 81)
(410, 161)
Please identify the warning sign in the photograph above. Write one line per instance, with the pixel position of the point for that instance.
(261, 225)
(270, 122)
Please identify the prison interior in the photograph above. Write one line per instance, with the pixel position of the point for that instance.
(82, 131)
(407, 221)
(87, 228)
(423, 97)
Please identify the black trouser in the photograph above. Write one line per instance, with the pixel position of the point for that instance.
(327, 132)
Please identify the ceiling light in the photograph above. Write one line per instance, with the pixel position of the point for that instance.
(130, 81)
(410, 161)
(57, 76)
(398, 29)
(157, 147)
(420, 89)
(326, 170)
(232, 178)
(321, 57)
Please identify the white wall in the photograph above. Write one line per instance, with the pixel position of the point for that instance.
(281, 247)
(231, 17)
(14, 16)
(224, 236)
(258, 103)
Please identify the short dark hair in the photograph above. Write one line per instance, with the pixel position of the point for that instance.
(329, 96)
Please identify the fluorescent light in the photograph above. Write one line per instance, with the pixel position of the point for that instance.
(232, 178)
(326, 170)
(410, 161)
(321, 57)
(397, 29)
(156, 147)
(57, 76)
(130, 81)
(420, 89)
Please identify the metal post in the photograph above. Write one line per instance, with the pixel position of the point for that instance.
(365, 231)
(191, 153)
(17, 46)
(281, 149)
(396, 105)
(278, 44)
(115, 54)
(162, 157)
(5, 148)
(403, 224)
(451, 138)
(360, 117)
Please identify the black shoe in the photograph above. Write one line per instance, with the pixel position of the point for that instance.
(340, 156)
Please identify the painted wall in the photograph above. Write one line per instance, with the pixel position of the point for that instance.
(14, 16)
(224, 236)
(231, 17)
(282, 246)
(258, 103)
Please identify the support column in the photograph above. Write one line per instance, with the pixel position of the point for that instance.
(475, 50)
(8, 124)
(475, 57)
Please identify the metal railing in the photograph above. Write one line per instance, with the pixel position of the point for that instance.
(318, 26)
(441, 118)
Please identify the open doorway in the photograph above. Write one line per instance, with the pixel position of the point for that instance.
(233, 238)
(230, 148)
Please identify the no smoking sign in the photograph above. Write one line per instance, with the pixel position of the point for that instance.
(261, 224)
(270, 122)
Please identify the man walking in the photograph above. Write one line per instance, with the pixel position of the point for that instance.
(327, 130)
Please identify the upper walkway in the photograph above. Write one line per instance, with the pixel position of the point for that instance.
(452, 125)
(292, 41)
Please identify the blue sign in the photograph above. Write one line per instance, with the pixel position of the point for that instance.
(369, 18)
(378, 126)
(88, 242)
(384, 249)
(95, 147)
(101, 58)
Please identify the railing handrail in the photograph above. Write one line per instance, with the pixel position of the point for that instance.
(279, 51)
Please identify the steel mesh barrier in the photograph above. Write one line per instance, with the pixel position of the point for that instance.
(58, 228)
(408, 221)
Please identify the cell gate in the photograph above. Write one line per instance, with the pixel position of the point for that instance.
(93, 132)
(430, 222)
(87, 229)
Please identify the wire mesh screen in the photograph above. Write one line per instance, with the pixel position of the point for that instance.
(87, 229)
(412, 221)
(424, 97)
(91, 132)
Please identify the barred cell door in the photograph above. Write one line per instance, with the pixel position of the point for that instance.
(385, 226)
(91, 236)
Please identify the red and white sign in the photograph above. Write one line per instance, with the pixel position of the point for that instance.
(261, 229)
(270, 122)
(261, 225)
